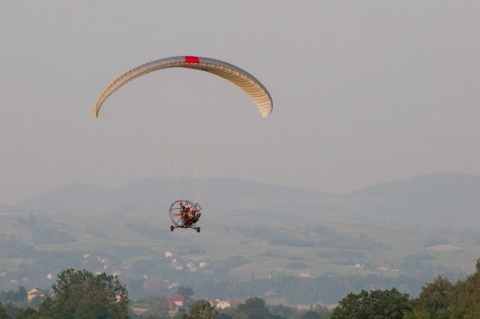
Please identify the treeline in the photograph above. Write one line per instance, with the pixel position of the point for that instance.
(443, 299)
(14, 296)
(295, 290)
(216, 277)
(158, 307)
(76, 294)
(80, 294)
(440, 299)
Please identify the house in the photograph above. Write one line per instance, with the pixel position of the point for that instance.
(263, 276)
(191, 267)
(34, 293)
(168, 254)
(212, 301)
(178, 267)
(382, 268)
(223, 305)
(175, 301)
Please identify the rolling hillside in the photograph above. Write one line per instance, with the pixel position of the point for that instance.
(439, 200)
(415, 229)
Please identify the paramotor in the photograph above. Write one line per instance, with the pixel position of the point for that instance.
(185, 214)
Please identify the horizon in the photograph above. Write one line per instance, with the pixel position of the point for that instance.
(165, 184)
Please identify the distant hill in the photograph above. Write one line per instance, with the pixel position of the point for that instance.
(439, 200)
(69, 198)
(6, 208)
(81, 197)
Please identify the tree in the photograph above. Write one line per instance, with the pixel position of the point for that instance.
(157, 307)
(15, 311)
(444, 300)
(3, 312)
(12, 296)
(255, 308)
(311, 314)
(186, 293)
(378, 304)
(78, 294)
(230, 313)
(22, 294)
(281, 311)
(436, 298)
(28, 313)
(466, 297)
(322, 311)
(202, 309)
(417, 314)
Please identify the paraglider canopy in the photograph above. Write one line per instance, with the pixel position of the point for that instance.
(237, 76)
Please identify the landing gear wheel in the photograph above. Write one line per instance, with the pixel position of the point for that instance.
(198, 229)
(172, 228)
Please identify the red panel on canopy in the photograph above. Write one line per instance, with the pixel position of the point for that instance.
(192, 59)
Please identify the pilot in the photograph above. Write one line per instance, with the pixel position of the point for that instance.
(189, 214)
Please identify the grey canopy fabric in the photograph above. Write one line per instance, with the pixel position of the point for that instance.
(237, 76)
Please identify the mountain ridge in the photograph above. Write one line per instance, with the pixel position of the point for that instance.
(434, 199)
(452, 197)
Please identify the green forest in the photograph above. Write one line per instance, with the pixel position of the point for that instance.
(82, 294)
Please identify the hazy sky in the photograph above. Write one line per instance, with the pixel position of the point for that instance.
(364, 91)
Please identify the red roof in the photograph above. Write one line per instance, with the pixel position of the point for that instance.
(174, 301)
(176, 298)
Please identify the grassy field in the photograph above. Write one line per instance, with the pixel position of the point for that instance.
(336, 242)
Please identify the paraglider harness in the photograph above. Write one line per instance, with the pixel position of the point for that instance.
(185, 214)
